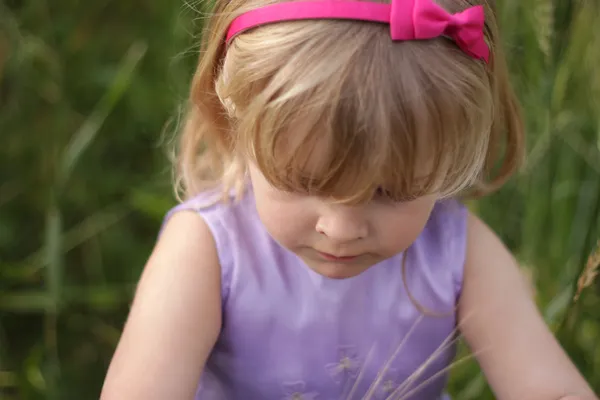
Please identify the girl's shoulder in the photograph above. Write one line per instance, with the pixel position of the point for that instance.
(224, 216)
(236, 232)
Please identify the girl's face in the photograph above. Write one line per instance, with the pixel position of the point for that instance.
(339, 241)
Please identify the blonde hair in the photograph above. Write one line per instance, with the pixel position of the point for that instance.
(412, 117)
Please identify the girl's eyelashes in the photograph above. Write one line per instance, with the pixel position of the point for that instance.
(380, 192)
(304, 188)
(385, 195)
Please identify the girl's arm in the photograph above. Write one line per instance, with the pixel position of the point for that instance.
(501, 323)
(174, 320)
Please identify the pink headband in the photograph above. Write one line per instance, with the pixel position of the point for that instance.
(408, 19)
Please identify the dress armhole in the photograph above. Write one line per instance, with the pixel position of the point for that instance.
(459, 215)
(213, 220)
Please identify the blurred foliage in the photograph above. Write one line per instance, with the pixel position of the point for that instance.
(89, 93)
(86, 91)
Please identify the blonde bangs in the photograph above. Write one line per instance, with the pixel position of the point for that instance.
(336, 109)
(341, 121)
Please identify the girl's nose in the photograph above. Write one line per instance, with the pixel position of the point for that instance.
(342, 223)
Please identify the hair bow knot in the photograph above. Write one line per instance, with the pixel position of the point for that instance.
(424, 19)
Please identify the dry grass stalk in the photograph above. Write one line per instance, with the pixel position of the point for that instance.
(589, 273)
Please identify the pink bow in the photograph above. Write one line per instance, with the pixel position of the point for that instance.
(424, 19)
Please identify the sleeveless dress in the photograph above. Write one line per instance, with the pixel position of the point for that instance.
(289, 333)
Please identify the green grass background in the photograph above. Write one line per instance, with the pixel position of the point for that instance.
(89, 95)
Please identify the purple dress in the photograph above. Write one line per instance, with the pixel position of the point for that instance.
(289, 333)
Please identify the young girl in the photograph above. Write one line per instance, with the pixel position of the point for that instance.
(321, 251)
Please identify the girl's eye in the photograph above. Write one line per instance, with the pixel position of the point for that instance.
(384, 194)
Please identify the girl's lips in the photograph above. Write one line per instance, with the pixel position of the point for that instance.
(331, 257)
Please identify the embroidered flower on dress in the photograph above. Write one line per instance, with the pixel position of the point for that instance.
(347, 367)
(388, 385)
(296, 391)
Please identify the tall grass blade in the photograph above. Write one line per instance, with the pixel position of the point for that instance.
(90, 128)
